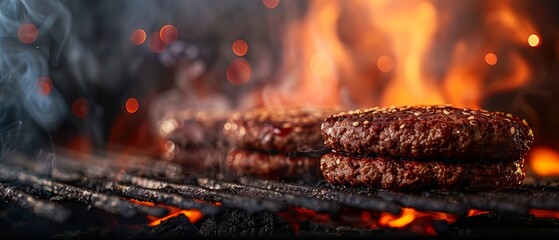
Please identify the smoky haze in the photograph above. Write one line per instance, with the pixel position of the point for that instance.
(83, 48)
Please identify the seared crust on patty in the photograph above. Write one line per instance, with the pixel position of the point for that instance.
(407, 174)
(277, 166)
(429, 132)
(277, 130)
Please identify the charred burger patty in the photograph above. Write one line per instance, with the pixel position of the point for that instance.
(391, 173)
(276, 143)
(425, 146)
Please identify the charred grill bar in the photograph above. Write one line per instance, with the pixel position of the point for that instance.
(27, 184)
(40, 207)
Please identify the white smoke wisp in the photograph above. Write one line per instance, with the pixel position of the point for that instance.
(22, 103)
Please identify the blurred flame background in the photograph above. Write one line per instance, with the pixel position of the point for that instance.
(95, 75)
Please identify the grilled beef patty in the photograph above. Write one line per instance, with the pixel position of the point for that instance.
(193, 128)
(405, 174)
(280, 130)
(446, 132)
(277, 166)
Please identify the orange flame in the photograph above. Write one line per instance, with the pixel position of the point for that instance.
(544, 161)
(193, 215)
(390, 55)
(411, 218)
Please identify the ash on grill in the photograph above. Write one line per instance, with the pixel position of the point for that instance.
(53, 191)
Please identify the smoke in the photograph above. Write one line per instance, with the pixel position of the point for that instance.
(26, 109)
(84, 48)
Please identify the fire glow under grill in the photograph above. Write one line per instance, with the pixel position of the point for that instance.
(135, 188)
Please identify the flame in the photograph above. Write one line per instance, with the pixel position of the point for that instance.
(405, 218)
(414, 220)
(312, 59)
(400, 53)
(193, 215)
(544, 161)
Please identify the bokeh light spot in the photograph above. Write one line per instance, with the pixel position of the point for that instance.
(80, 108)
(238, 72)
(320, 64)
(169, 34)
(27, 33)
(534, 40)
(44, 86)
(385, 64)
(544, 161)
(271, 3)
(155, 44)
(138, 37)
(491, 58)
(239, 47)
(132, 105)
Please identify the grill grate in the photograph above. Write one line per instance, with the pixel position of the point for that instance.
(102, 184)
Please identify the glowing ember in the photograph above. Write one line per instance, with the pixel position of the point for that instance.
(132, 105)
(321, 64)
(385, 64)
(473, 212)
(405, 218)
(80, 108)
(534, 40)
(491, 58)
(271, 3)
(169, 34)
(544, 161)
(409, 217)
(540, 213)
(138, 37)
(238, 72)
(239, 47)
(27, 33)
(44, 86)
(193, 216)
(155, 43)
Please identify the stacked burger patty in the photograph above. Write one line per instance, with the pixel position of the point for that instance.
(192, 136)
(276, 143)
(416, 147)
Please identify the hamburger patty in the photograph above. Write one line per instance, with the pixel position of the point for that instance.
(429, 132)
(399, 174)
(283, 130)
(254, 163)
(193, 128)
